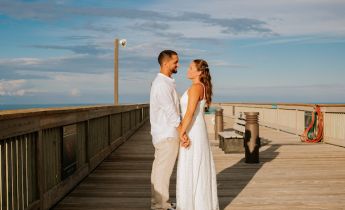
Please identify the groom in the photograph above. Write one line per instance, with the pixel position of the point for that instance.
(165, 123)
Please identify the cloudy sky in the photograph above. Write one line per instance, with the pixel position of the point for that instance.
(61, 51)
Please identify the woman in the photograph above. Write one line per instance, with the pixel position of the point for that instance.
(196, 187)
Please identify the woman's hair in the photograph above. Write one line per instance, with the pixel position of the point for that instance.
(205, 78)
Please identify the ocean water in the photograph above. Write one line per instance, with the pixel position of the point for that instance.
(30, 106)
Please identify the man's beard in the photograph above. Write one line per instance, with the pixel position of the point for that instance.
(174, 71)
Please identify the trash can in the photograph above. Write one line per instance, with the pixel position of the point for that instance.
(251, 138)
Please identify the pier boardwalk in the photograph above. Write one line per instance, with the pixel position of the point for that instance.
(291, 175)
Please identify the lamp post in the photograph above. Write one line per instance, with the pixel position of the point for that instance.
(123, 43)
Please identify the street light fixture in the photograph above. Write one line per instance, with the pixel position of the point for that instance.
(123, 43)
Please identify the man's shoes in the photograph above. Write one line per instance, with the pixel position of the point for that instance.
(173, 206)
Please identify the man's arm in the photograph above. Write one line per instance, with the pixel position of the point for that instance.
(165, 98)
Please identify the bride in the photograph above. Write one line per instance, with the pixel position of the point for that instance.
(196, 187)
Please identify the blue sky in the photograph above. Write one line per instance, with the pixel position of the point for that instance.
(61, 51)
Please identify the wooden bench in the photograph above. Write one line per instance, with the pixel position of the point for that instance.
(232, 141)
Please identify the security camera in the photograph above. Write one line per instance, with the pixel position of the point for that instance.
(123, 42)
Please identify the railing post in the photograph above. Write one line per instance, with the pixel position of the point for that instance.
(109, 130)
(218, 125)
(87, 143)
(40, 169)
(251, 138)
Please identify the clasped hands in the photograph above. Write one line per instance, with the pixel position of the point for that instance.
(184, 140)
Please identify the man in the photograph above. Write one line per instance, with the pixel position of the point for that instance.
(165, 122)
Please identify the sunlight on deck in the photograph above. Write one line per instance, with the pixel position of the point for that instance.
(291, 175)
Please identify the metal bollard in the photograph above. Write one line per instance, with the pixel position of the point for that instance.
(218, 122)
(251, 138)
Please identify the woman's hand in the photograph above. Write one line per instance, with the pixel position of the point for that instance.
(184, 140)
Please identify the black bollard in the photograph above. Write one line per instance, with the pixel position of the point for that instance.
(218, 124)
(251, 138)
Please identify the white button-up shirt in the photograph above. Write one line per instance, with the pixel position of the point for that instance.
(164, 109)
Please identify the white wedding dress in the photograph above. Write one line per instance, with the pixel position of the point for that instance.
(196, 184)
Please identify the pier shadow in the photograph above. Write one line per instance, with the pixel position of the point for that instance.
(232, 180)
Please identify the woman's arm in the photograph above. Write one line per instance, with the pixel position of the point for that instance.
(194, 95)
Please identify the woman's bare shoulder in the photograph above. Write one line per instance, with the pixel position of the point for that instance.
(196, 90)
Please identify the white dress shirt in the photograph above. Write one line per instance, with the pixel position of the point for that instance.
(164, 109)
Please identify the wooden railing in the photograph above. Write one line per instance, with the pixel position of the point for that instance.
(34, 143)
(38, 146)
(291, 117)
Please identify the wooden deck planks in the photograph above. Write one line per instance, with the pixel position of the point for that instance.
(291, 175)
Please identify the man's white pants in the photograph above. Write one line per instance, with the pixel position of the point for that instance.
(162, 167)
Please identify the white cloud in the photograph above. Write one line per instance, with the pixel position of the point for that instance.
(191, 29)
(73, 84)
(314, 93)
(221, 63)
(75, 92)
(30, 61)
(284, 17)
(15, 88)
(20, 61)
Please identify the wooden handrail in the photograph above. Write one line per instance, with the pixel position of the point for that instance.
(33, 143)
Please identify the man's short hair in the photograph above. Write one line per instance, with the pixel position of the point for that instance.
(164, 55)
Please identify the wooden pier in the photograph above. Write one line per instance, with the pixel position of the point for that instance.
(291, 175)
(112, 155)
